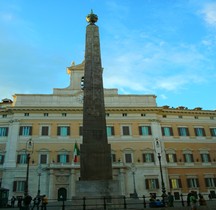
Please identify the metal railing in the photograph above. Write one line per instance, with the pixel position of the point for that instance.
(107, 203)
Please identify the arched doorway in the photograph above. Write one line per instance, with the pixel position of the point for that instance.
(62, 194)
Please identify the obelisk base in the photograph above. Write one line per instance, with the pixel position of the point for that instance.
(98, 192)
(97, 188)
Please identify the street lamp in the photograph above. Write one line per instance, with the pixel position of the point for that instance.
(133, 170)
(162, 180)
(29, 149)
(39, 170)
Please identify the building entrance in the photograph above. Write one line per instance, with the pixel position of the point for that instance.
(62, 194)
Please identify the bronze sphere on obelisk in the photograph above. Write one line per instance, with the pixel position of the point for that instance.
(91, 18)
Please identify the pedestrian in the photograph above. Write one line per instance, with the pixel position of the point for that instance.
(193, 201)
(36, 202)
(27, 200)
(188, 199)
(13, 199)
(202, 201)
(170, 199)
(19, 202)
(44, 202)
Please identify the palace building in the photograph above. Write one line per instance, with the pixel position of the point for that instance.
(138, 131)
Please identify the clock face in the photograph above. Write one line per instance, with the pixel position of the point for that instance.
(80, 98)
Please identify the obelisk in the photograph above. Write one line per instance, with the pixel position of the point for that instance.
(95, 152)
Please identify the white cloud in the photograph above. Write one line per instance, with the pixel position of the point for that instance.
(6, 17)
(164, 97)
(209, 13)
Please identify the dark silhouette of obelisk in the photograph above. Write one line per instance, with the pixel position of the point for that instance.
(95, 152)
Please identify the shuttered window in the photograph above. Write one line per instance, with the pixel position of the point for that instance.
(145, 130)
(183, 131)
(152, 184)
(3, 131)
(167, 131)
(63, 158)
(63, 130)
(44, 130)
(25, 131)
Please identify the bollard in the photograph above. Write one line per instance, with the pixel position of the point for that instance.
(125, 204)
(104, 201)
(63, 204)
(144, 202)
(182, 200)
(84, 203)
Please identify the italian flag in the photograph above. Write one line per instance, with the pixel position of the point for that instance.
(76, 153)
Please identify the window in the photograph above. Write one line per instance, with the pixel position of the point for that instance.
(175, 183)
(180, 116)
(148, 158)
(183, 131)
(22, 159)
(152, 184)
(110, 131)
(26, 114)
(18, 186)
(199, 131)
(164, 116)
(192, 182)
(145, 130)
(3, 131)
(107, 114)
(210, 182)
(171, 158)
(124, 114)
(113, 157)
(44, 130)
(205, 157)
(188, 158)
(196, 117)
(64, 114)
(213, 131)
(128, 158)
(143, 115)
(46, 114)
(43, 158)
(126, 130)
(80, 130)
(4, 116)
(63, 158)
(25, 131)
(63, 131)
(167, 131)
(1, 159)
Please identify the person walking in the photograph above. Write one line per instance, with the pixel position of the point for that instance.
(170, 199)
(193, 201)
(13, 199)
(44, 202)
(36, 202)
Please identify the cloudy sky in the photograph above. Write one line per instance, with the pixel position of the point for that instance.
(161, 47)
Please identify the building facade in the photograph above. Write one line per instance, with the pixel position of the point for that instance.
(138, 130)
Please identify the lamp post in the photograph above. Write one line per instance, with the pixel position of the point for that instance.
(162, 180)
(29, 149)
(133, 170)
(39, 170)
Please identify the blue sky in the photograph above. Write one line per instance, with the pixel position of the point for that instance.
(161, 47)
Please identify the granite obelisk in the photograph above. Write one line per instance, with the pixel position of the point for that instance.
(95, 152)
